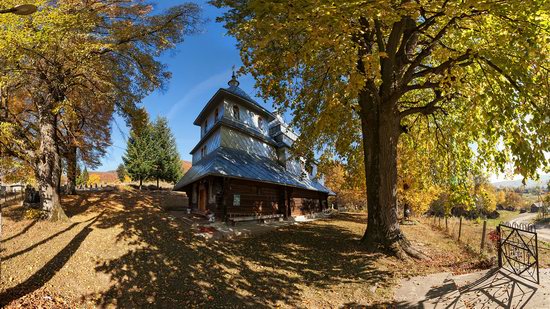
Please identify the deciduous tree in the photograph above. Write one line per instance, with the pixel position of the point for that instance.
(362, 73)
(102, 50)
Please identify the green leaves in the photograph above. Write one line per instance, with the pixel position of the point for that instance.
(475, 72)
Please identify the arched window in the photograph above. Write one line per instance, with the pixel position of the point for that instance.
(261, 123)
(236, 112)
(216, 114)
(205, 126)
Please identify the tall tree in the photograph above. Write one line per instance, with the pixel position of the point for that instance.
(82, 177)
(121, 172)
(360, 73)
(102, 50)
(140, 157)
(167, 159)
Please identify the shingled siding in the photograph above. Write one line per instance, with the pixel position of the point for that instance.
(213, 143)
(232, 139)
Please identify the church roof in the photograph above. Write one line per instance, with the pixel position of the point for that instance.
(237, 92)
(233, 163)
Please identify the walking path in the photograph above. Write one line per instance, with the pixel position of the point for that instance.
(543, 230)
(492, 288)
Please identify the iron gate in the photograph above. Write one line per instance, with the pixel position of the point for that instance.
(518, 250)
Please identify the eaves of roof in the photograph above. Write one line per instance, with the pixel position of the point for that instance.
(246, 101)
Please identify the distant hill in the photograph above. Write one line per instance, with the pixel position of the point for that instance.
(106, 177)
(186, 165)
(111, 177)
(517, 183)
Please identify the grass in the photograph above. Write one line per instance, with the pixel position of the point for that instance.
(122, 250)
(472, 231)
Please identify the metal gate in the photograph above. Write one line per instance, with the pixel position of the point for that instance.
(518, 250)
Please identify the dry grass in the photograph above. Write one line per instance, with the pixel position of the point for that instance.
(472, 231)
(121, 250)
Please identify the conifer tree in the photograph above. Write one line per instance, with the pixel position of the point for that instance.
(121, 172)
(82, 177)
(140, 155)
(168, 164)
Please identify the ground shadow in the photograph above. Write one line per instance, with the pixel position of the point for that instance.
(496, 288)
(38, 279)
(173, 268)
(23, 231)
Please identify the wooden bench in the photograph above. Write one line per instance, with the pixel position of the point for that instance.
(235, 217)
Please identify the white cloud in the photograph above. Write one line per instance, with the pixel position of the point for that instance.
(202, 88)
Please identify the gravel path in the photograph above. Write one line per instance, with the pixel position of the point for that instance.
(543, 230)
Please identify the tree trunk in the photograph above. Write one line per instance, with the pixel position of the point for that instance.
(49, 167)
(71, 170)
(381, 130)
(140, 183)
(158, 184)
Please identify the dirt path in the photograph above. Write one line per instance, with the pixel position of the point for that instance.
(543, 230)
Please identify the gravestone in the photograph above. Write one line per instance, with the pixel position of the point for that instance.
(32, 197)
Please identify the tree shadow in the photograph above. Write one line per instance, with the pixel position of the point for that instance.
(13, 210)
(172, 267)
(23, 231)
(496, 288)
(47, 272)
(351, 217)
(43, 241)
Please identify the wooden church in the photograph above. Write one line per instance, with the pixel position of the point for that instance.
(242, 166)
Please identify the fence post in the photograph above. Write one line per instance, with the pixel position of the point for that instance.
(459, 228)
(498, 247)
(483, 235)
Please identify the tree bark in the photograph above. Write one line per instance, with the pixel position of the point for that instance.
(140, 183)
(381, 130)
(71, 170)
(49, 167)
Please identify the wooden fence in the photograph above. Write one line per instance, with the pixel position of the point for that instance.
(475, 234)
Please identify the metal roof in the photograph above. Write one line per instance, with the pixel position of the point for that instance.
(233, 163)
(236, 92)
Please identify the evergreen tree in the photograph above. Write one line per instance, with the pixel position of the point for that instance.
(167, 160)
(140, 157)
(121, 172)
(82, 177)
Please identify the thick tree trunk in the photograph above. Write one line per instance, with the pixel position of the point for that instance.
(381, 130)
(71, 170)
(49, 167)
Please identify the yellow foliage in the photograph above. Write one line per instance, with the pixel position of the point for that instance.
(94, 179)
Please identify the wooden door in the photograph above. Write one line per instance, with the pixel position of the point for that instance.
(202, 199)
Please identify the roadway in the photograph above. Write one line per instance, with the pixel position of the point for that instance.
(543, 230)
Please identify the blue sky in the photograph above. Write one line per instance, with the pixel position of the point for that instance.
(200, 65)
